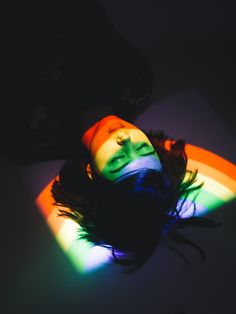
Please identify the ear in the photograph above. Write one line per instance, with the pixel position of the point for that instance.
(89, 171)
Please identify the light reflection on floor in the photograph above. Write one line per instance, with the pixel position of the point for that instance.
(218, 175)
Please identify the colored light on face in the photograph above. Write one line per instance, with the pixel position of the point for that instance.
(132, 156)
(115, 143)
(144, 163)
(218, 175)
(95, 136)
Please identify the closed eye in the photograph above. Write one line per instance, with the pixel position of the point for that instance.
(118, 162)
(140, 146)
(145, 149)
(117, 158)
(117, 169)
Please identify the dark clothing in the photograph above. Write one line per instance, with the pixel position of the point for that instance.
(60, 62)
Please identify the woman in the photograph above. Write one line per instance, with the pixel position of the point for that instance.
(76, 82)
(128, 190)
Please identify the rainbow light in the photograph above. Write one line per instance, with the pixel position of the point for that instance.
(218, 175)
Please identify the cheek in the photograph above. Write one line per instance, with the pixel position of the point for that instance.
(98, 163)
(103, 154)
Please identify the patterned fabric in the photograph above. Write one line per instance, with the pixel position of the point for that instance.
(63, 61)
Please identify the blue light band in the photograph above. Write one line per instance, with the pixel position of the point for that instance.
(139, 164)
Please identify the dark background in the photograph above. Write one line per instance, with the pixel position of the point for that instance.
(188, 44)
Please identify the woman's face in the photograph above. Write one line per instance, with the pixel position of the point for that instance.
(118, 147)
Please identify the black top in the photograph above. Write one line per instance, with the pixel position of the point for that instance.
(60, 62)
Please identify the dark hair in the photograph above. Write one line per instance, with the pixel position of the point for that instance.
(131, 217)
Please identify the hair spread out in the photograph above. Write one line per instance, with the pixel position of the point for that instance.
(132, 216)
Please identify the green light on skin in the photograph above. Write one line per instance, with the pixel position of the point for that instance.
(124, 156)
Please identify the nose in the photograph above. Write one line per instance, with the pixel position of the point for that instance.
(122, 137)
